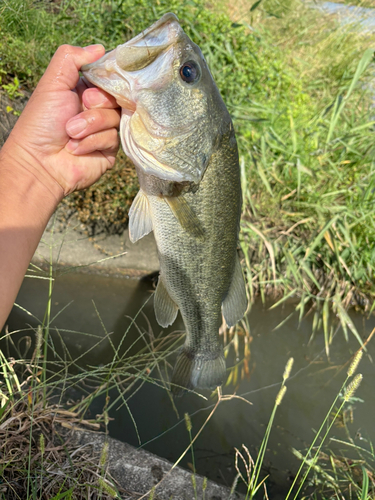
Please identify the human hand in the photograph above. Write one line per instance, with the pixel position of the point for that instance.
(47, 140)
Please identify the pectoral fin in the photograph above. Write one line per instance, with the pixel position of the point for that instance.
(185, 215)
(165, 309)
(235, 303)
(140, 222)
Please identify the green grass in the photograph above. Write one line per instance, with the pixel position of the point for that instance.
(28, 419)
(296, 84)
(308, 164)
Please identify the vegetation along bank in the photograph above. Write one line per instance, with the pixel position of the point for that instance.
(298, 86)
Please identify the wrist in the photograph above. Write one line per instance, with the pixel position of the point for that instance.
(26, 169)
(27, 196)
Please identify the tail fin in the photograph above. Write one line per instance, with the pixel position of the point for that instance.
(197, 370)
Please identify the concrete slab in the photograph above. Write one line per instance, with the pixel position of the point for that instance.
(138, 471)
(68, 245)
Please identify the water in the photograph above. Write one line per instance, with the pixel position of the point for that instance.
(363, 18)
(314, 383)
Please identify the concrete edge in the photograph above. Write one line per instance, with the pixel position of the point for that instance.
(137, 471)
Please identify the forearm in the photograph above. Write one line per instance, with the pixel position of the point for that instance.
(26, 205)
(46, 157)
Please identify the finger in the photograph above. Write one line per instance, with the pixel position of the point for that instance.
(97, 98)
(80, 88)
(106, 140)
(62, 72)
(110, 155)
(86, 169)
(92, 121)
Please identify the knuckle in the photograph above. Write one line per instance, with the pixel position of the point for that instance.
(64, 50)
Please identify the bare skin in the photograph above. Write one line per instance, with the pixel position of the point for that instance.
(65, 140)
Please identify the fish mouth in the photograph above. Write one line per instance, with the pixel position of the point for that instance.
(117, 71)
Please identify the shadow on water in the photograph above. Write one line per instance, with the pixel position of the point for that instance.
(87, 310)
(314, 383)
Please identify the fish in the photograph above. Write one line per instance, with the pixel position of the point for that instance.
(178, 133)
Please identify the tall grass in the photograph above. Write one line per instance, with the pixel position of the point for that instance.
(33, 389)
(308, 165)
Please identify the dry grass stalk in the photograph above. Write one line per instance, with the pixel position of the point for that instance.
(37, 458)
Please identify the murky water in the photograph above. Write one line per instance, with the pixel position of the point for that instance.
(87, 302)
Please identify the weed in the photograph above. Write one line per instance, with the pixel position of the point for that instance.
(12, 89)
(297, 86)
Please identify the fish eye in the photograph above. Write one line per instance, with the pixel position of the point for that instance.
(190, 72)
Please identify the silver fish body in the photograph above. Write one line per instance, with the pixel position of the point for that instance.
(178, 132)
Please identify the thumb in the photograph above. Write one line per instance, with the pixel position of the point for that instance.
(62, 72)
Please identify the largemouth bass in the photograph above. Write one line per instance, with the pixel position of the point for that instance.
(178, 133)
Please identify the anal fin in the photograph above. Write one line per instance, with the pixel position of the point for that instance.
(235, 303)
(165, 308)
(140, 222)
(185, 215)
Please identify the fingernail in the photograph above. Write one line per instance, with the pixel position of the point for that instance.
(76, 126)
(72, 145)
(94, 98)
(98, 47)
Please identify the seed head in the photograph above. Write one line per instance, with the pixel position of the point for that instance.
(288, 369)
(188, 422)
(104, 455)
(234, 485)
(106, 418)
(353, 386)
(152, 493)
(42, 446)
(193, 481)
(38, 341)
(204, 486)
(280, 395)
(107, 487)
(354, 364)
